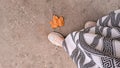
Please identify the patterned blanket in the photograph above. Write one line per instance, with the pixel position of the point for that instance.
(98, 46)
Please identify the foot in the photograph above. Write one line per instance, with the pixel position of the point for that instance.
(56, 38)
(90, 24)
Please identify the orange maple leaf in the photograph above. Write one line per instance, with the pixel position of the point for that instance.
(57, 22)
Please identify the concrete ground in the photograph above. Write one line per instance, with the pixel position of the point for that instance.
(24, 26)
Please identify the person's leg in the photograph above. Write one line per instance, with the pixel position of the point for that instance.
(57, 39)
(77, 46)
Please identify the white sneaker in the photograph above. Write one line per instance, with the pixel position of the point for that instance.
(56, 38)
(90, 24)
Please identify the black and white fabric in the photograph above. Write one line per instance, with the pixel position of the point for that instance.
(98, 46)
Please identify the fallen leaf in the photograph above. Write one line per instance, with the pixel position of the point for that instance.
(57, 22)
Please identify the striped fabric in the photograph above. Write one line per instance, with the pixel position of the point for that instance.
(98, 46)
